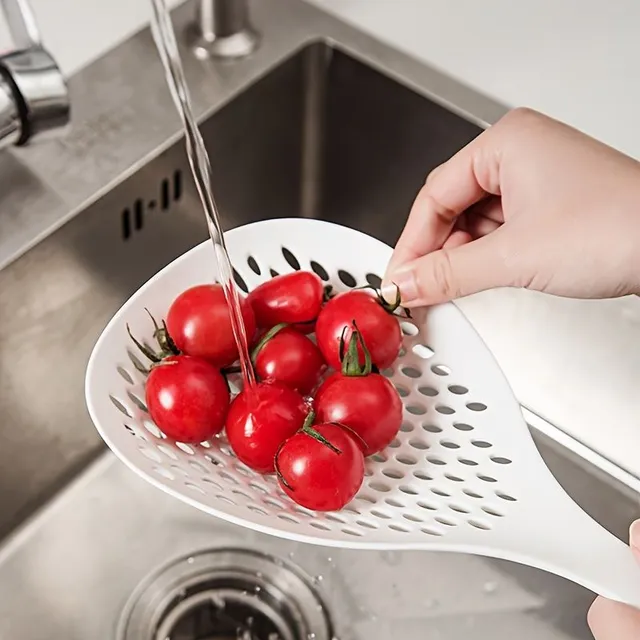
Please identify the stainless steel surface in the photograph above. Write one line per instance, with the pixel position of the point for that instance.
(42, 89)
(22, 23)
(123, 113)
(70, 571)
(226, 592)
(38, 89)
(9, 116)
(58, 296)
(223, 29)
(320, 121)
(123, 117)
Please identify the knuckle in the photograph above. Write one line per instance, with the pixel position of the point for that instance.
(520, 119)
(433, 173)
(522, 114)
(527, 122)
(442, 212)
(443, 276)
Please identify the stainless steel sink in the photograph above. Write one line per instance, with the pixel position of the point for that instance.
(322, 122)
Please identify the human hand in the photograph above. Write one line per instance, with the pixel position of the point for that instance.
(529, 203)
(614, 621)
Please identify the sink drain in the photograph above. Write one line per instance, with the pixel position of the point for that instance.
(226, 594)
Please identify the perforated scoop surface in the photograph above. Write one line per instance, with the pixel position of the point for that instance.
(463, 474)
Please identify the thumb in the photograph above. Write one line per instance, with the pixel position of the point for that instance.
(610, 620)
(451, 273)
(634, 539)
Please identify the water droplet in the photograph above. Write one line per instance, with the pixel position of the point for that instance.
(490, 587)
(318, 579)
(259, 575)
(311, 636)
(291, 554)
(250, 621)
(190, 560)
(257, 588)
(329, 559)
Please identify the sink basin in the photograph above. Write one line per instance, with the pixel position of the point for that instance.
(326, 136)
(322, 122)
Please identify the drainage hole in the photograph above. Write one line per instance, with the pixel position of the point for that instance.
(164, 194)
(177, 185)
(319, 270)
(374, 280)
(291, 259)
(240, 281)
(346, 278)
(253, 265)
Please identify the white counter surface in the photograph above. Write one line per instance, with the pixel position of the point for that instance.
(578, 60)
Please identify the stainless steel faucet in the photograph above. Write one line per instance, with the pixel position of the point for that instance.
(34, 100)
(223, 29)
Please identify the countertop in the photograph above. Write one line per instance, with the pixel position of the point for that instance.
(576, 60)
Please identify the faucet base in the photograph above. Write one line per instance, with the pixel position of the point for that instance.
(236, 45)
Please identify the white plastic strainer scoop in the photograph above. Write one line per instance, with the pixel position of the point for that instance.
(463, 474)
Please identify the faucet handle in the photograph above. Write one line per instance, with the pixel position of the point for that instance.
(34, 99)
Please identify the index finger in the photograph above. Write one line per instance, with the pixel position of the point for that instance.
(466, 178)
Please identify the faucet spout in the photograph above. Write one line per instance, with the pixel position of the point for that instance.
(34, 100)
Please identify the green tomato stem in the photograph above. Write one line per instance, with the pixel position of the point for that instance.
(265, 338)
(308, 429)
(351, 365)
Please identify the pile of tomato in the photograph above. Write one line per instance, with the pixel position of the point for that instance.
(318, 408)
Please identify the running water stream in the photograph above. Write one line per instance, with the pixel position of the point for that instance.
(164, 36)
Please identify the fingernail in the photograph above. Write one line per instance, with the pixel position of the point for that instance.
(388, 292)
(403, 279)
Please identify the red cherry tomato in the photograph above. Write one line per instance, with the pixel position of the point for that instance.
(379, 328)
(321, 468)
(260, 420)
(199, 323)
(369, 405)
(187, 398)
(292, 298)
(287, 356)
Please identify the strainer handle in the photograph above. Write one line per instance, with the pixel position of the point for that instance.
(576, 547)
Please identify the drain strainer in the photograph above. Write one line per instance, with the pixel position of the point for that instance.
(226, 594)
